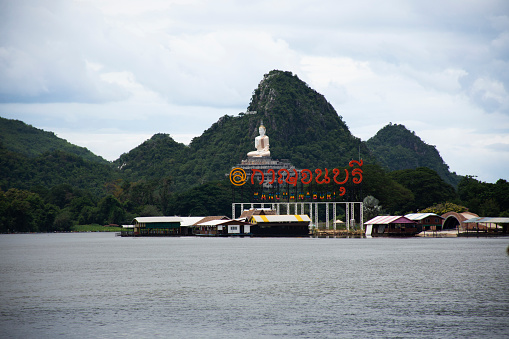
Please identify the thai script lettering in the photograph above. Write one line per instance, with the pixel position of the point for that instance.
(299, 196)
(239, 177)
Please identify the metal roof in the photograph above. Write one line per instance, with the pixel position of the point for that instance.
(211, 217)
(493, 220)
(223, 222)
(468, 215)
(281, 218)
(190, 221)
(389, 219)
(212, 223)
(420, 216)
(148, 220)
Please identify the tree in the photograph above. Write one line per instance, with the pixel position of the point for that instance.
(489, 208)
(23, 211)
(426, 185)
(371, 207)
(213, 198)
(501, 191)
(63, 221)
(444, 208)
(150, 211)
(110, 210)
(61, 195)
(393, 196)
(483, 198)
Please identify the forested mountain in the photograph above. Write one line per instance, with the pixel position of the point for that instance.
(51, 169)
(18, 137)
(302, 126)
(399, 149)
(158, 157)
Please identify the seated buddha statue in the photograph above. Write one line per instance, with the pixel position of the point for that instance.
(261, 144)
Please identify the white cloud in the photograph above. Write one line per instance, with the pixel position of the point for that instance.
(484, 154)
(325, 71)
(107, 70)
(491, 94)
(118, 143)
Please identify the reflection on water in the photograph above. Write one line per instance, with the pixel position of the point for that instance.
(97, 285)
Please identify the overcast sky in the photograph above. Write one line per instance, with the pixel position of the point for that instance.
(107, 75)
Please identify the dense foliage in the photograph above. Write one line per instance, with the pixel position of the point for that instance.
(23, 211)
(52, 168)
(24, 139)
(426, 185)
(485, 199)
(445, 207)
(392, 196)
(398, 149)
(212, 198)
(156, 158)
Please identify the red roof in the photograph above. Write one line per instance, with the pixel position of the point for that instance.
(389, 219)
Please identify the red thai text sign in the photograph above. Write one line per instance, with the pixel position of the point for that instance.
(238, 176)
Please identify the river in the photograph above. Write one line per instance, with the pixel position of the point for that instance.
(96, 285)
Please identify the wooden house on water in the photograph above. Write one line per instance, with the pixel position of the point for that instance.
(426, 221)
(389, 225)
(154, 226)
(280, 225)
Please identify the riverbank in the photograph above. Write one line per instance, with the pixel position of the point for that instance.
(439, 234)
(337, 233)
(95, 228)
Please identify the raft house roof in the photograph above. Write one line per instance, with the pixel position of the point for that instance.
(222, 222)
(389, 219)
(492, 220)
(190, 221)
(295, 218)
(257, 211)
(180, 221)
(210, 218)
(157, 222)
(420, 216)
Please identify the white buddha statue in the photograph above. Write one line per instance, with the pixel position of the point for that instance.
(261, 144)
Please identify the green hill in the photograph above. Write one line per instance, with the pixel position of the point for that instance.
(18, 137)
(51, 169)
(158, 157)
(399, 149)
(302, 126)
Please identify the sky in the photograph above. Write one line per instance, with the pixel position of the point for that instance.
(108, 74)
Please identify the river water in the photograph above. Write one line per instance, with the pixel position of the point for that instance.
(96, 285)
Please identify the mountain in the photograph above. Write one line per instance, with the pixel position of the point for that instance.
(31, 158)
(52, 169)
(397, 148)
(18, 137)
(158, 157)
(302, 126)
